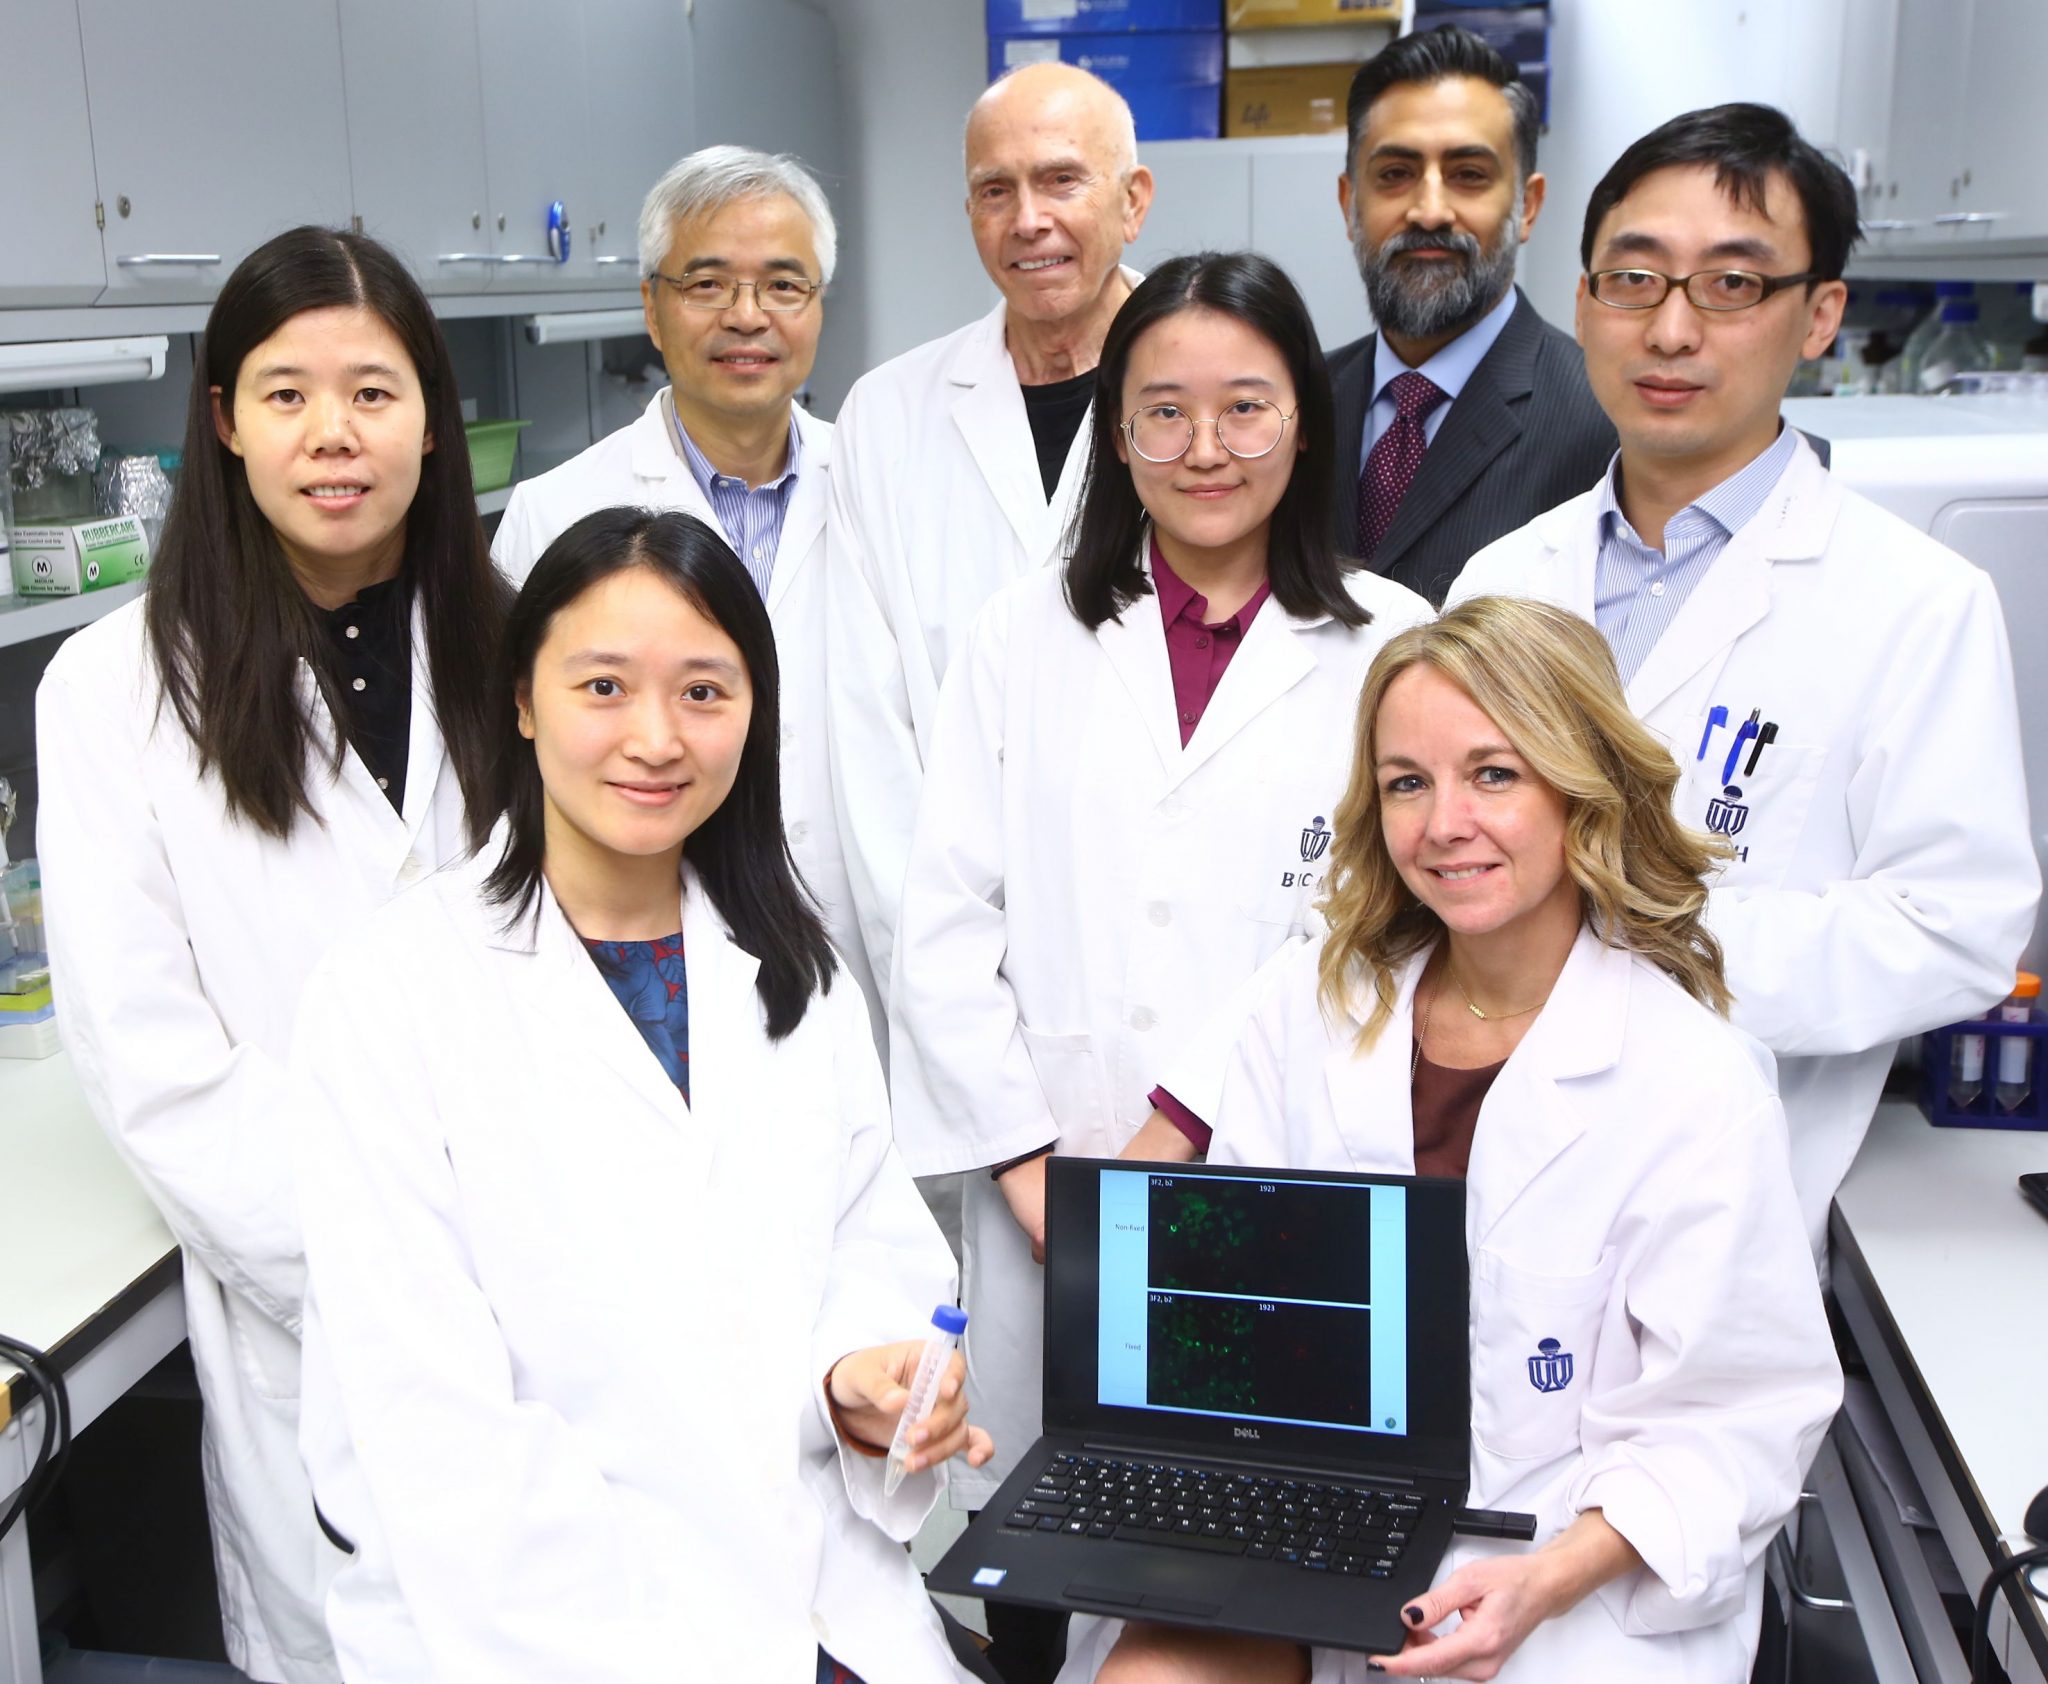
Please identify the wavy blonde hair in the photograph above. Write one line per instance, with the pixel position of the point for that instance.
(1546, 678)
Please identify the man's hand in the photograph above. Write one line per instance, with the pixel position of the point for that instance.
(1023, 1189)
(871, 1388)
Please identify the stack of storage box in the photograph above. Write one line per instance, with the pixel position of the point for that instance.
(1291, 61)
(1164, 56)
(1521, 31)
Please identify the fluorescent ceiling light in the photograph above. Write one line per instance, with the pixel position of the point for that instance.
(80, 362)
(567, 327)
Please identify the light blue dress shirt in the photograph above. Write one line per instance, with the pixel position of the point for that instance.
(751, 517)
(1638, 590)
(1448, 370)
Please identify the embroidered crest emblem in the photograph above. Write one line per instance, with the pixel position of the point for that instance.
(1315, 841)
(1550, 1370)
(1725, 813)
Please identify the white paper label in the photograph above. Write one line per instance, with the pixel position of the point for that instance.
(1029, 52)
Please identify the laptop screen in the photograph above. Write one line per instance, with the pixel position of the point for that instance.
(1317, 1314)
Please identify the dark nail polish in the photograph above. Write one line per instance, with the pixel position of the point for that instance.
(1412, 1613)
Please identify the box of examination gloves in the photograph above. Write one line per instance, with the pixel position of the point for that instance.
(1100, 17)
(70, 557)
(1173, 82)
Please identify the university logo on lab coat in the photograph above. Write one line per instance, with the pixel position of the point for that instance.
(1550, 1370)
(1315, 841)
(1725, 813)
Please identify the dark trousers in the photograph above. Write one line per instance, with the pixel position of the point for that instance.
(1027, 1645)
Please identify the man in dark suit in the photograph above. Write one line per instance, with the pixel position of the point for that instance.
(1467, 414)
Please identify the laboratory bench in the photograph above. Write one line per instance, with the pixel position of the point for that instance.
(1938, 1267)
(90, 1274)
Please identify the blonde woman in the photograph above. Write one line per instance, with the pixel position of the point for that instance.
(1517, 988)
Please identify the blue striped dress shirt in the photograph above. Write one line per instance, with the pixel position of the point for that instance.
(750, 516)
(1638, 590)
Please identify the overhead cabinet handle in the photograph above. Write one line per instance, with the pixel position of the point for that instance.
(613, 260)
(167, 259)
(1887, 225)
(469, 257)
(524, 257)
(1955, 217)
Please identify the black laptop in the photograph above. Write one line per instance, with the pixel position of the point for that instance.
(1257, 1403)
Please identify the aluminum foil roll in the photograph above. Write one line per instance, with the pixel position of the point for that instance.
(46, 442)
(134, 485)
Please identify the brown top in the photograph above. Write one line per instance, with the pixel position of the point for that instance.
(1446, 1106)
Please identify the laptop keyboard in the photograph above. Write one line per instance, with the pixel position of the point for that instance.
(1322, 1527)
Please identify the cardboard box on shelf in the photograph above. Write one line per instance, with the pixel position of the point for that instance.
(1306, 14)
(71, 557)
(1100, 17)
(1339, 43)
(1174, 82)
(1286, 99)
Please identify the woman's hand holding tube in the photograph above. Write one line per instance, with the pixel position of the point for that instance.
(870, 1388)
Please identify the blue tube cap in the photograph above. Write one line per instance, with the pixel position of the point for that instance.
(948, 1318)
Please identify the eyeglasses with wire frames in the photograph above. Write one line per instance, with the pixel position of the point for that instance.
(1705, 289)
(777, 294)
(1248, 429)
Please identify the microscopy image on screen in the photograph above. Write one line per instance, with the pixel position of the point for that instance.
(1235, 1356)
(1274, 1239)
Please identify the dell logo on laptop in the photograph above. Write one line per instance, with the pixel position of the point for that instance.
(1245, 1432)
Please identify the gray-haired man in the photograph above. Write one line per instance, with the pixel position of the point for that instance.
(736, 248)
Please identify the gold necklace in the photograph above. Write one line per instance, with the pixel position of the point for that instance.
(1489, 1017)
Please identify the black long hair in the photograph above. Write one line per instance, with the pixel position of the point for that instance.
(227, 621)
(1104, 576)
(739, 851)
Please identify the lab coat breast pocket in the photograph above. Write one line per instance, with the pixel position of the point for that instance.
(1760, 816)
(1533, 1342)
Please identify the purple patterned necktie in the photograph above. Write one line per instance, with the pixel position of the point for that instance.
(1390, 467)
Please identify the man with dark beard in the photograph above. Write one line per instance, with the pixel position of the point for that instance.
(1467, 414)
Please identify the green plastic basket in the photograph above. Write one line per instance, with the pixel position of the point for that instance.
(492, 445)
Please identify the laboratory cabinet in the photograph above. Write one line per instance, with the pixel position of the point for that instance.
(537, 140)
(414, 93)
(1961, 158)
(51, 255)
(639, 86)
(215, 124)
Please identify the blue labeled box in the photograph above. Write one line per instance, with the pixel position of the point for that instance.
(1100, 17)
(1520, 34)
(1173, 81)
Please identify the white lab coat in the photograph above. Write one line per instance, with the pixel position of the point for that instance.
(1886, 882)
(180, 941)
(1628, 1196)
(1084, 891)
(566, 1338)
(937, 504)
(643, 467)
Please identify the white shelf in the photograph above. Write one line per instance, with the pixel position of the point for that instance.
(493, 502)
(25, 617)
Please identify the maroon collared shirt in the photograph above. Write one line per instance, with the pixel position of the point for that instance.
(1197, 651)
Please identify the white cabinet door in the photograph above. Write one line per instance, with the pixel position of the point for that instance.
(1924, 152)
(52, 251)
(1296, 222)
(416, 136)
(2004, 140)
(216, 124)
(538, 146)
(642, 108)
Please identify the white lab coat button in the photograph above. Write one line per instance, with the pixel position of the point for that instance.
(1172, 811)
(799, 830)
(1160, 913)
(1142, 1018)
(823, 1631)
(412, 870)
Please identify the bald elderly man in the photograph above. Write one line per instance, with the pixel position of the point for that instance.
(956, 465)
